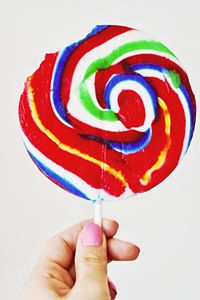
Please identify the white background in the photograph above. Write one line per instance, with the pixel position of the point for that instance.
(164, 222)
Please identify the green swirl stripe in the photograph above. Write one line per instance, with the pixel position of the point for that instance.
(86, 100)
(104, 63)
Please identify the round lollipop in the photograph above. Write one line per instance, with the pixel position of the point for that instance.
(109, 116)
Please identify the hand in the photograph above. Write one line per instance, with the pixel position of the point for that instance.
(73, 264)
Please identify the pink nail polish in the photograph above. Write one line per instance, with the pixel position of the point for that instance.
(91, 235)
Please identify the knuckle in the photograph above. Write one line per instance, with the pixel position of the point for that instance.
(92, 259)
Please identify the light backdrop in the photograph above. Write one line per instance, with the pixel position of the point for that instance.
(164, 222)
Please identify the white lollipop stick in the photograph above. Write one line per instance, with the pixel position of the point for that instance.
(98, 212)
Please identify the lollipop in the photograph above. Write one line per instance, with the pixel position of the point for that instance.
(109, 116)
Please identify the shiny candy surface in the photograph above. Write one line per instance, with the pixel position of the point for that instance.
(109, 116)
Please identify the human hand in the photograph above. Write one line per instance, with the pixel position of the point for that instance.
(73, 264)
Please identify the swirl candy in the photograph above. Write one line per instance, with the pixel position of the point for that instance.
(109, 116)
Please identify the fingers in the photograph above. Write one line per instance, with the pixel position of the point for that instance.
(117, 250)
(121, 250)
(60, 249)
(91, 262)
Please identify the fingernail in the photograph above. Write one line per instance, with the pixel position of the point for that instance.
(112, 286)
(91, 235)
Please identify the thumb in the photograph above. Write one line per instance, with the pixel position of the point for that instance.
(91, 262)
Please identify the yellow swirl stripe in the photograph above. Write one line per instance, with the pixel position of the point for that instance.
(67, 148)
(163, 154)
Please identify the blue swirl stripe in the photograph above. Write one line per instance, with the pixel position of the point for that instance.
(57, 178)
(130, 77)
(182, 88)
(124, 147)
(132, 147)
(60, 65)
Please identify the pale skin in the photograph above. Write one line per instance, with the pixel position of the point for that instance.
(68, 270)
